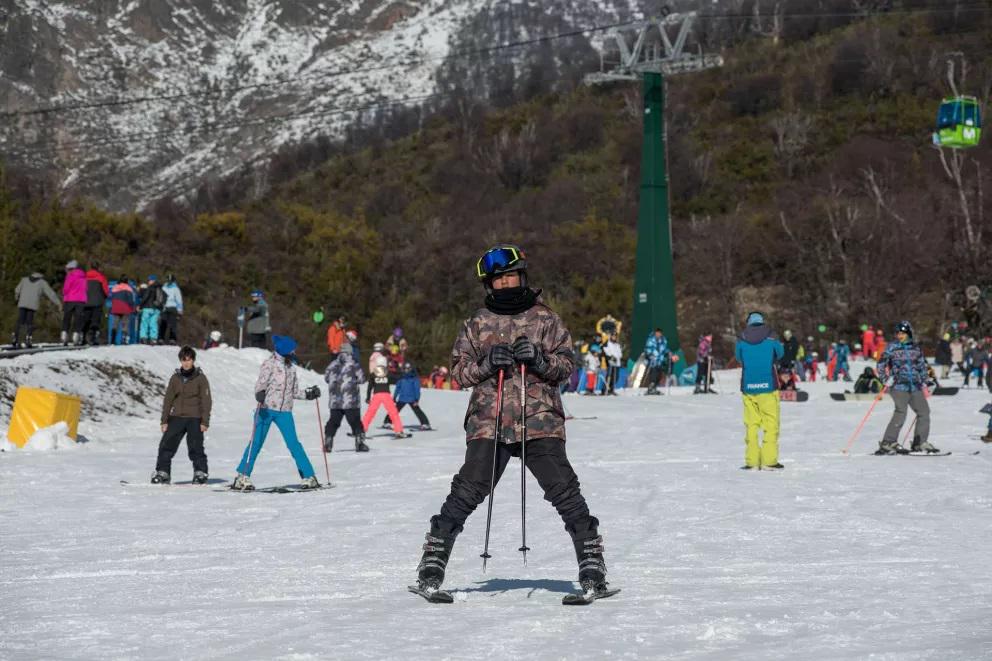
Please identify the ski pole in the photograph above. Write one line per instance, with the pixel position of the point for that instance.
(323, 442)
(709, 373)
(492, 480)
(909, 432)
(523, 462)
(857, 431)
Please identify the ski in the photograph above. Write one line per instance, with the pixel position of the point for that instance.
(586, 598)
(434, 596)
(585, 417)
(907, 453)
(793, 395)
(283, 489)
(149, 485)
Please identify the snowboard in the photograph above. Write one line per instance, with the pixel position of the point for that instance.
(853, 397)
(433, 596)
(586, 598)
(638, 373)
(944, 390)
(793, 395)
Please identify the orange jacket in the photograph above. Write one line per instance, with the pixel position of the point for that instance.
(335, 338)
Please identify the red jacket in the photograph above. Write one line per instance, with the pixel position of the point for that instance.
(122, 300)
(335, 338)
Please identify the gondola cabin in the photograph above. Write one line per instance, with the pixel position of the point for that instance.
(959, 123)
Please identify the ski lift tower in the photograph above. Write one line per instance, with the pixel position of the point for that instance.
(650, 60)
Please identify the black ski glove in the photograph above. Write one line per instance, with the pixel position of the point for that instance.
(313, 392)
(529, 354)
(260, 397)
(500, 357)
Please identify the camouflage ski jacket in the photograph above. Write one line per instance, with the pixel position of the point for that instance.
(343, 376)
(545, 416)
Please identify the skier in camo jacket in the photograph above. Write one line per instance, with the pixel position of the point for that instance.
(905, 366)
(514, 328)
(343, 376)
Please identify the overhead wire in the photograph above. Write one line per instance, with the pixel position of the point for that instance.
(142, 136)
(325, 75)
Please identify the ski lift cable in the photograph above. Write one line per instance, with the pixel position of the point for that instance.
(324, 75)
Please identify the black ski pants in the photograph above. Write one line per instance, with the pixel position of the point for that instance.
(258, 340)
(655, 375)
(173, 436)
(546, 460)
(419, 412)
(171, 317)
(72, 314)
(612, 376)
(25, 319)
(334, 423)
(89, 323)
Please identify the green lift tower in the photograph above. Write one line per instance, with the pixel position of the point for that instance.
(651, 56)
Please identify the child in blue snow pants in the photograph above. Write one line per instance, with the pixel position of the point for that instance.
(287, 427)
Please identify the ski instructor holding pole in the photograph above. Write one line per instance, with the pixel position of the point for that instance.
(514, 338)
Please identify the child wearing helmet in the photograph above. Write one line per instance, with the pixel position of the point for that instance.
(276, 388)
(905, 366)
(408, 392)
(380, 398)
(518, 414)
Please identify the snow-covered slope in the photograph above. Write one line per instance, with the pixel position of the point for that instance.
(170, 92)
(836, 557)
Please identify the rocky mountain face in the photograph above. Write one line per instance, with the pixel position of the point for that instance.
(130, 101)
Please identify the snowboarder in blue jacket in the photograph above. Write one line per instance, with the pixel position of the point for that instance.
(758, 351)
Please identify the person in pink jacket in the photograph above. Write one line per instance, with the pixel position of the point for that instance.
(73, 300)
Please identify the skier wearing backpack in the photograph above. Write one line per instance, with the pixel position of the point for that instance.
(276, 388)
(173, 309)
(514, 328)
(151, 304)
(904, 364)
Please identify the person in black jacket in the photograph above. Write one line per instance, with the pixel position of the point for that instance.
(943, 356)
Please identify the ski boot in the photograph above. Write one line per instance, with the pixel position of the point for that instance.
(199, 477)
(434, 561)
(27, 342)
(310, 483)
(988, 436)
(77, 339)
(360, 444)
(161, 477)
(923, 446)
(773, 467)
(589, 554)
(64, 338)
(889, 448)
(328, 443)
(15, 342)
(242, 483)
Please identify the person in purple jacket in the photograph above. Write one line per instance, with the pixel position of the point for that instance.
(73, 301)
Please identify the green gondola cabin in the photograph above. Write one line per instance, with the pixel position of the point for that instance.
(959, 123)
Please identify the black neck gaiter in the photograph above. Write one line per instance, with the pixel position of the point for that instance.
(511, 300)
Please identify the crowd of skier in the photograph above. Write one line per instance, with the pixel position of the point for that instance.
(505, 418)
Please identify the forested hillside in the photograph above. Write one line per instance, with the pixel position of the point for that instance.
(803, 182)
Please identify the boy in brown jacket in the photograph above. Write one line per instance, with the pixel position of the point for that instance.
(185, 412)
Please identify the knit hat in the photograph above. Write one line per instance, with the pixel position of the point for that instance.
(284, 345)
(755, 319)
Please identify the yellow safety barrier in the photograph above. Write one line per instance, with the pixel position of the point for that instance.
(35, 408)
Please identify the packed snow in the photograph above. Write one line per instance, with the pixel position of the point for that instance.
(836, 557)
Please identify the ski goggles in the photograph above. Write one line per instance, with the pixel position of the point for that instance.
(497, 260)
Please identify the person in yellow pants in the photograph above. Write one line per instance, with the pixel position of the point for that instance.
(761, 414)
(758, 351)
